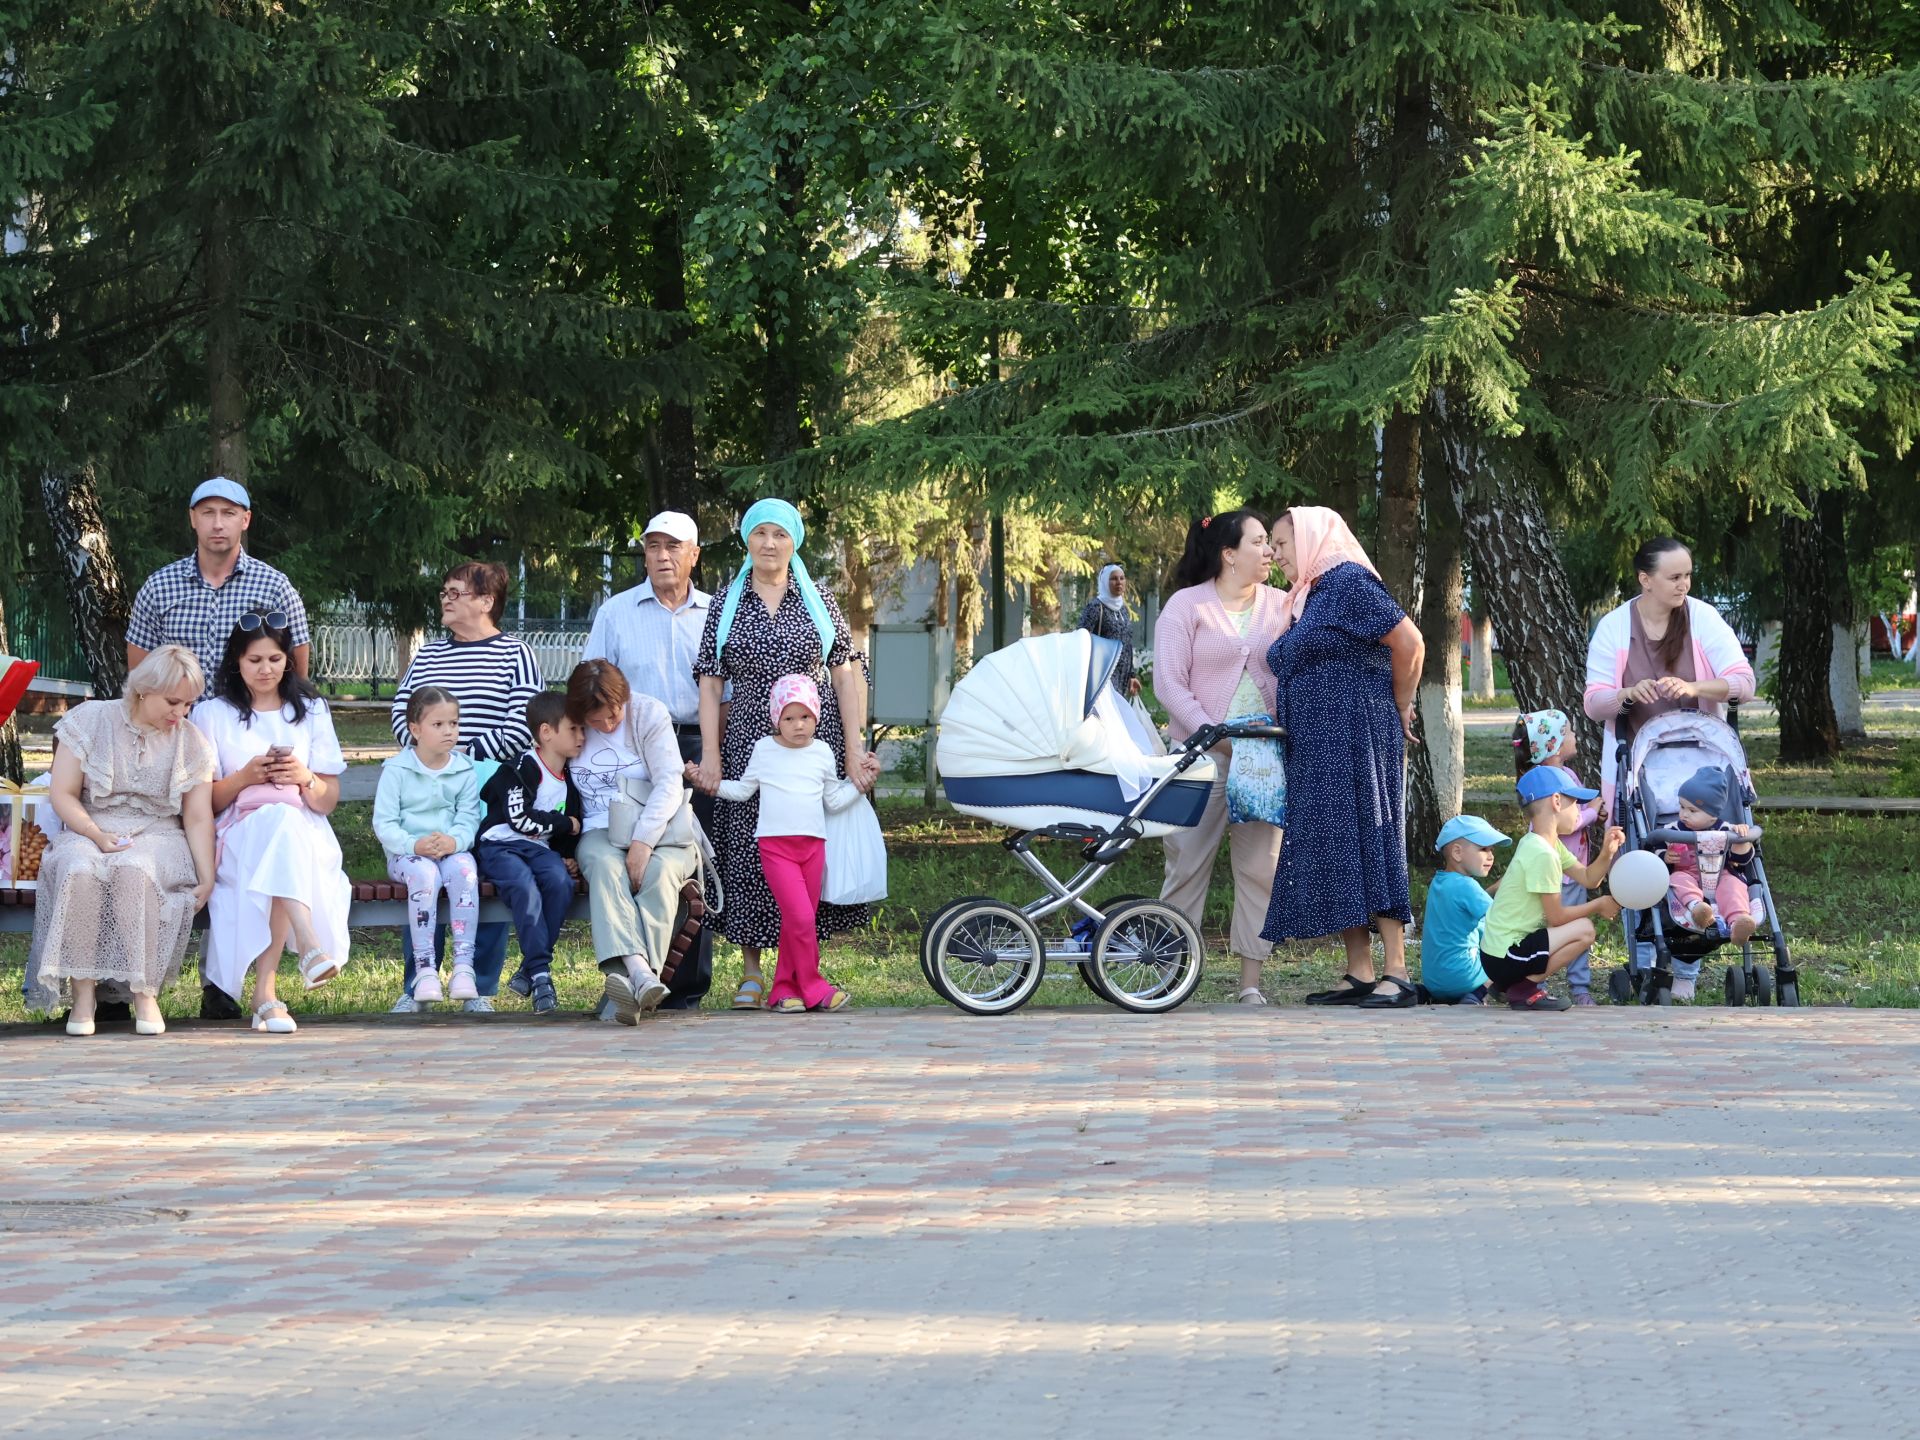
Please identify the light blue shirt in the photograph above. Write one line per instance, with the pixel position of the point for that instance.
(653, 646)
(1456, 914)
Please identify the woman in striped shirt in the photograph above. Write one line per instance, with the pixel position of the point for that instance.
(493, 675)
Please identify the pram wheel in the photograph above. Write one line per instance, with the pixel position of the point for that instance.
(1790, 994)
(987, 958)
(1736, 985)
(1147, 957)
(1620, 987)
(1761, 984)
(931, 932)
(1089, 972)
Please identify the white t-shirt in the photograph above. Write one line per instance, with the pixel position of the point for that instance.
(796, 788)
(598, 772)
(551, 796)
(237, 740)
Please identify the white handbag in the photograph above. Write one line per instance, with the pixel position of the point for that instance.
(856, 858)
(623, 814)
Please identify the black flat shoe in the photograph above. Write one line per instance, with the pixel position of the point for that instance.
(1402, 997)
(1349, 991)
(216, 1004)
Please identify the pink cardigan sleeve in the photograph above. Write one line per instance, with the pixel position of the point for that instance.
(1173, 665)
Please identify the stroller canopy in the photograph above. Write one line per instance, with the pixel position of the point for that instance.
(1029, 709)
(1669, 748)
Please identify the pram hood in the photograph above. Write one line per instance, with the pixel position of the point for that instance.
(1036, 707)
(1669, 748)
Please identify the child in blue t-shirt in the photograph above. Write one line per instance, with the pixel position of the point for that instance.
(1457, 905)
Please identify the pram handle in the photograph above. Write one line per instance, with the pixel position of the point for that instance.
(1208, 736)
(1692, 837)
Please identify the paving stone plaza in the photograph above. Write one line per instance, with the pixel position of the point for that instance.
(1068, 1223)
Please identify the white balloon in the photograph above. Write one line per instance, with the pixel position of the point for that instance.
(1638, 880)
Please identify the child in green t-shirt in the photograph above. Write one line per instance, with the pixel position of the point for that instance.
(1530, 933)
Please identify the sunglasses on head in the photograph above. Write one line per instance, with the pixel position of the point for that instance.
(254, 619)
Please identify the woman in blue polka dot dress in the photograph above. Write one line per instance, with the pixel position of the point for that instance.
(1346, 669)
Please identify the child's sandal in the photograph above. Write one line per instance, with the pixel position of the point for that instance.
(792, 1005)
(751, 994)
(839, 1000)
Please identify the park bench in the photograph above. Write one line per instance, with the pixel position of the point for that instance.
(382, 905)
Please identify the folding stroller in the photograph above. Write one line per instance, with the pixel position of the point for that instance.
(1033, 738)
(1665, 753)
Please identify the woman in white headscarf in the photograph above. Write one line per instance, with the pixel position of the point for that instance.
(1106, 615)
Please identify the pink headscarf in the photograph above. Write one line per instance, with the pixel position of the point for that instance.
(1321, 540)
(793, 690)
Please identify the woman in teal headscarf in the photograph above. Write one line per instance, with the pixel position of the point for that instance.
(771, 621)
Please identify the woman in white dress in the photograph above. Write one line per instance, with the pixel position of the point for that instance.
(277, 778)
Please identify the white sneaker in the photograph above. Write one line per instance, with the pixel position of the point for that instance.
(648, 990)
(426, 986)
(1682, 988)
(405, 1005)
(463, 987)
(478, 1005)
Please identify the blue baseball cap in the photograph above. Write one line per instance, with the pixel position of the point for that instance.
(221, 488)
(1545, 780)
(1469, 827)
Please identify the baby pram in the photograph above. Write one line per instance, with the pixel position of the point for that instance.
(1034, 738)
(1665, 753)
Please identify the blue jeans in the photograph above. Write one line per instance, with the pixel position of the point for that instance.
(535, 885)
(489, 954)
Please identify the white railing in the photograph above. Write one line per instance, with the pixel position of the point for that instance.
(362, 654)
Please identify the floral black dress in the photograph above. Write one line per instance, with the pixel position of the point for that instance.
(1345, 860)
(761, 649)
(1104, 620)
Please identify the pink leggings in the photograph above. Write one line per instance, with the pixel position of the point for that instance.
(1729, 896)
(794, 865)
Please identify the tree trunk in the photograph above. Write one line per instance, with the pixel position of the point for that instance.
(225, 384)
(1804, 690)
(12, 763)
(1480, 680)
(1437, 767)
(95, 588)
(1516, 560)
(1843, 679)
(1399, 552)
(676, 481)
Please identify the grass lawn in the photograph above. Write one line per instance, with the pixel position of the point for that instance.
(1846, 886)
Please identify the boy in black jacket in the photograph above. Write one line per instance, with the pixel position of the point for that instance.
(531, 825)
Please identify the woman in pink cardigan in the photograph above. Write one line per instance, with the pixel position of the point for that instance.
(1661, 651)
(1210, 664)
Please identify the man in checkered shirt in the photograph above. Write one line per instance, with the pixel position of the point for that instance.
(198, 600)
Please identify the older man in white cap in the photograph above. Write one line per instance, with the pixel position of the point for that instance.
(196, 601)
(652, 632)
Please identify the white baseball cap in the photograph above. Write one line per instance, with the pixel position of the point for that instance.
(221, 488)
(673, 523)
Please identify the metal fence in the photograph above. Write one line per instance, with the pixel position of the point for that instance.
(370, 655)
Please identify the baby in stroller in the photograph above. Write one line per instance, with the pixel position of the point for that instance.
(1683, 791)
(1726, 863)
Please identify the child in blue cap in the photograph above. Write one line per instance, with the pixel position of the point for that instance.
(1457, 905)
(1531, 932)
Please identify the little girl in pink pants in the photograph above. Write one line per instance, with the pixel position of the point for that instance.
(794, 776)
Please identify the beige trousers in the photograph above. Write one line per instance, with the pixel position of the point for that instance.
(1191, 854)
(625, 923)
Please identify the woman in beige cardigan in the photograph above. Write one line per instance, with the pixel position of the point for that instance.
(1210, 664)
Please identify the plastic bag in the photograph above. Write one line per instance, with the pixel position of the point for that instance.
(856, 859)
(1257, 782)
(1145, 731)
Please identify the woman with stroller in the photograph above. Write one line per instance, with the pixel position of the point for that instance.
(1661, 651)
(771, 622)
(1346, 667)
(1210, 664)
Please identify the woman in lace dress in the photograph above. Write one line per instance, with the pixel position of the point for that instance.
(119, 886)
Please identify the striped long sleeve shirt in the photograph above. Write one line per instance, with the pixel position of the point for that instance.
(492, 678)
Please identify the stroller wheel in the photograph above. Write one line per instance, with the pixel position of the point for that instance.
(987, 958)
(930, 932)
(1148, 956)
(1620, 987)
(1790, 994)
(1736, 984)
(1761, 985)
(1089, 972)
(1658, 991)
